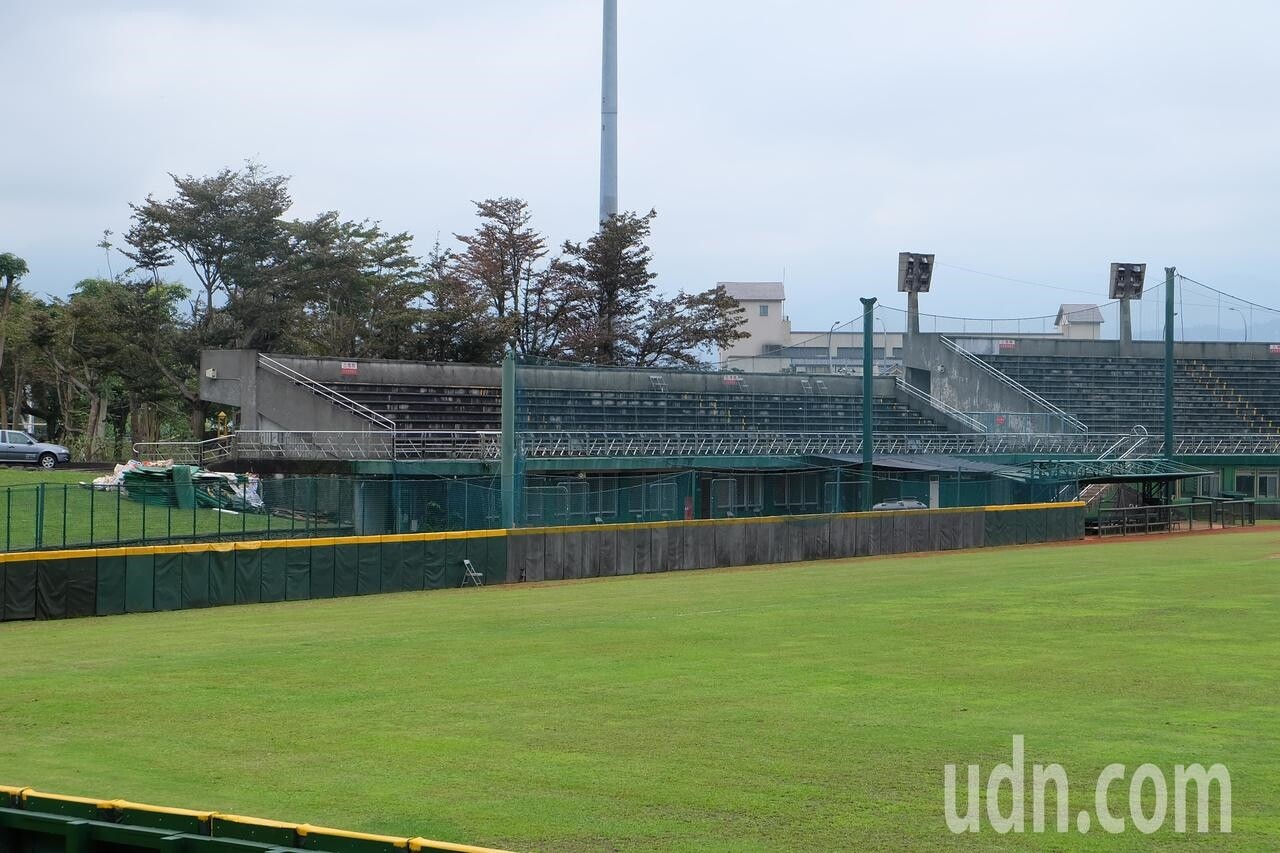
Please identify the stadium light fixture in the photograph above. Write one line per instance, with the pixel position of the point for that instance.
(915, 271)
(1127, 280)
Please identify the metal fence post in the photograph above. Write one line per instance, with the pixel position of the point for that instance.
(39, 537)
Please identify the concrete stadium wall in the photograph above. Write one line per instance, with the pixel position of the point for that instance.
(35, 822)
(111, 581)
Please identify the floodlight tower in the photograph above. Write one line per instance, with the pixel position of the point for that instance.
(609, 113)
(915, 271)
(1126, 284)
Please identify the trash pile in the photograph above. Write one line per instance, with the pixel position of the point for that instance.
(183, 486)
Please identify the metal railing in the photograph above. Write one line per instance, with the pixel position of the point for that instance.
(1172, 518)
(487, 445)
(186, 452)
(945, 408)
(674, 444)
(1067, 418)
(321, 390)
(397, 445)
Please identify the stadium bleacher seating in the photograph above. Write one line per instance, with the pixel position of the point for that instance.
(448, 408)
(1112, 395)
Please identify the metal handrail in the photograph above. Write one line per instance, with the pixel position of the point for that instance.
(186, 452)
(320, 389)
(946, 408)
(392, 445)
(1069, 419)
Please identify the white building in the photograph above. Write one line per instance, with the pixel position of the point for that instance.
(773, 346)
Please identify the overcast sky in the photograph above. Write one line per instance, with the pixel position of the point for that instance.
(1031, 140)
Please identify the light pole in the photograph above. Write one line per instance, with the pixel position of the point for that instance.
(830, 333)
(1244, 320)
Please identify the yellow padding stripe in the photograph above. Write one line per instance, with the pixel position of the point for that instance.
(1013, 507)
(307, 829)
(419, 844)
(254, 821)
(303, 829)
(28, 793)
(143, 807)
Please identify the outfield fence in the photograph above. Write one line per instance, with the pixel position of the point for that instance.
(109, 581)
(55, 516)
(32, 821)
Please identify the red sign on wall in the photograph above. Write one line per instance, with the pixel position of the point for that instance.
(350, 368)
(1007, 345)
(1275, 349)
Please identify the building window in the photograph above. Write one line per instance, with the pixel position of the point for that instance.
(764, 310)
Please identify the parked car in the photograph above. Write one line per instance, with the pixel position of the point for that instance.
(16, 446)
(900, 503)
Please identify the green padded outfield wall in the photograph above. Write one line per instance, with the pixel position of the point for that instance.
(110, 581)
(35, 822)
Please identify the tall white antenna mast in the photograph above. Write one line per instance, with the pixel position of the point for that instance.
(609, 114)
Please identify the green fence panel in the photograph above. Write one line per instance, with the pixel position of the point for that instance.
(4, 570)
(641, 550)
(922, 531)
(248, 575)
(297, 573)
(995, 529)
(262, 832)
(605, 556)
(222, 577)
(51, 589)
(626, 551)
(391, 569)
(85, 810)
(946, 531)
(110, 597)
(140, 583)
(82, 586)
(195, 579)
(368, 568)
(346, 569)
(166, 819)
(815, 543)
(411, 565)
(168, 581)
(275, 572)
(433, 558)
(525, 556)
(322, 571)
(659, 550)
(497, 566)
(454, 553)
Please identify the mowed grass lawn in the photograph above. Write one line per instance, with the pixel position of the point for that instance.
(799, 707)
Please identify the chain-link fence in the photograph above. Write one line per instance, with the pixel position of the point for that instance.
(55, 516)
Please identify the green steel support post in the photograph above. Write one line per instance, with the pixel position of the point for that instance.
(868, 389)
(39, 515)
(1168, 360)
(508, 469)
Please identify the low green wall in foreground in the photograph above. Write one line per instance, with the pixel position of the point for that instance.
(109, 581)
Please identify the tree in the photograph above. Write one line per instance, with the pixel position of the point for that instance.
(675, 329)
(229, 230)
(12, 270)
(358, 284)
(456, 324)
(612, 271)
(621, 321)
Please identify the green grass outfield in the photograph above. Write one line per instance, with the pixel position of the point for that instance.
(800, 707)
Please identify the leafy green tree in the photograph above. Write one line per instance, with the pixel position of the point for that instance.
(12, 271)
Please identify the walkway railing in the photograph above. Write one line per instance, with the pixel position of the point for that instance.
(487, 445)
(378, 419)
(398, 445)
(1068, 419)
(186, 452)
